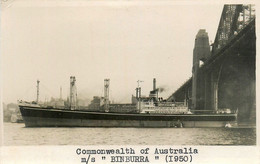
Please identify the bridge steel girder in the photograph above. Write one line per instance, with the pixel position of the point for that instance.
(229, 76)
(182, 94)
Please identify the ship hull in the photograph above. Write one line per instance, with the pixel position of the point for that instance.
(43, 117)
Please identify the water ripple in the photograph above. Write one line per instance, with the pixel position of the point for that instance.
(17, 134)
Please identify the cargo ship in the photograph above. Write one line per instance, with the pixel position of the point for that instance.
(151, 111)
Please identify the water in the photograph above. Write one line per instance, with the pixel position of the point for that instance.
(17, 135)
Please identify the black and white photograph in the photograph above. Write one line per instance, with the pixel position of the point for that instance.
(120, 73)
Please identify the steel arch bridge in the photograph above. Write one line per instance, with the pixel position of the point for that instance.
(226, 79)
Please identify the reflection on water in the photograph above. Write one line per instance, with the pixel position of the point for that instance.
(17, 134)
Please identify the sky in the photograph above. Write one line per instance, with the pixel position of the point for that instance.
(124, 41)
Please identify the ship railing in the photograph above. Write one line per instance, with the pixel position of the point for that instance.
(162, 103)
(179, 110)
(220, 111)
(171, 112)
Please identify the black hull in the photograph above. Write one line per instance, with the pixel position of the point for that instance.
(44, 117)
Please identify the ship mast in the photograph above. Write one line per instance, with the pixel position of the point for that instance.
(60, 93)
(106, 95)
(73, 94)
(138, 95)
(37, 99)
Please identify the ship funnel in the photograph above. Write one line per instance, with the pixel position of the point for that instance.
(154, 92)
(154, 84)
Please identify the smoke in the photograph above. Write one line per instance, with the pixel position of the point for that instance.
(162, 89)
